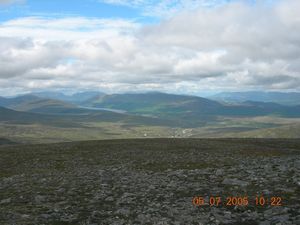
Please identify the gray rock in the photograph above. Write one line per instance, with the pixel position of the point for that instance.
(109, 199)
(266, 222)
(39, 199)
(123, 212)
(219, 172)
(25, 216)
(5, 201)
(234, 182)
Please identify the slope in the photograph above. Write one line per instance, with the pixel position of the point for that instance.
(188, 107)
(292, 98)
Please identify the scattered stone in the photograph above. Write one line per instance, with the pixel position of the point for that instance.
(116, 191)
(235, 182)
(39, 199)
(5, 201)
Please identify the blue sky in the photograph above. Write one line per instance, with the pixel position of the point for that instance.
(60, 8)
(181, 46)
(126, 9)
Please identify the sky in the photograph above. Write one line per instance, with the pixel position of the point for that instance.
(180, 46)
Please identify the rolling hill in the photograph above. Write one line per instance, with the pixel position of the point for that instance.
(71, 119)
(180, 110)
(291, 98)
(76, 98)
(5, 141)
(32, 103)
(160, 105)
(9, 115)
(47, 106)
(28, 127)
(155, 103)
(32, 119)
(188, 107)
(286, 131)
(15, 101)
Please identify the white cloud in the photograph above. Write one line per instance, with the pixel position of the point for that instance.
(234, 46)
(165, 8)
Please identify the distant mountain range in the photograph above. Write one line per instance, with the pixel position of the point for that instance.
(154, 104)
(188, 107)
(54, 117)
(30, 109)
(32, 103)
(292, 98)
(74, 98)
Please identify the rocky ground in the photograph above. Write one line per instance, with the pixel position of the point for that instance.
(149, 182)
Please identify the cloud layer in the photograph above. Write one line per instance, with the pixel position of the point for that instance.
(235, 46)
(165, 8)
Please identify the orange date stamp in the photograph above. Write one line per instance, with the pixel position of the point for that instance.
(215, 201)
